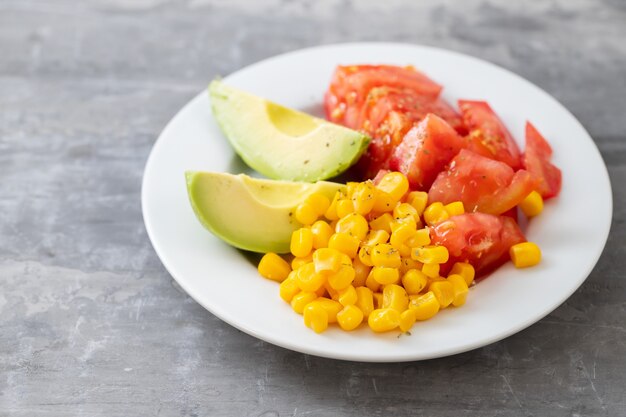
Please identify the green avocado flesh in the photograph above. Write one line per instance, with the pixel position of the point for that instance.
(250, 213)
(283, 143)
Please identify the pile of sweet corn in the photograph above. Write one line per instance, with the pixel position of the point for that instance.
(366, 256)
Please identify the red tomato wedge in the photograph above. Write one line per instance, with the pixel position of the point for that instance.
(481, 239)
(482, 184)
(425, 151)
(536, 160)
(351, 84)
(488, 135)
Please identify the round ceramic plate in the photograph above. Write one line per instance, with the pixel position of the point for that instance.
(225, 281)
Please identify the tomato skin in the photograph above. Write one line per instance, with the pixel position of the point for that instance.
(536, 160)
(481, 239)
(425, 151)
(482, 184)
(488, 135)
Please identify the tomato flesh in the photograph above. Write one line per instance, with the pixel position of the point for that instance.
(481, 239)
(482, 184)
(536, 160)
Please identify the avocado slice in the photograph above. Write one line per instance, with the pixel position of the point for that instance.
(250, 213)
(283, 143)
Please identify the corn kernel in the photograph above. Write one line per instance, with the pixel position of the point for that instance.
(430, 254)
(404, 211)
(385, 255)
(344, 207)
(363, 198)
(350, 188)
(395, 184)
(384, 319)
(374, 237)
(385, 275)
(418, 199)
(330, 291)
(350, 317)
(365, 255)
(361, 271)
(407, 320)
(331, 212)
(300, 300)
(414, 281)
(378, 300)
(371, 283)
(327, 259)
(332, 307)
(382, 222)
(525, 254)
(274, 267)
(431, 270)
(435, 213)
(459, 289)
(444, 292)
(465, 270)
(319, 202)
(400, 236)
(308, 280)
(353, 224)
(347, 296)
(301, 242)
(289, 287)
(532, 205)
(297, 262)
(408, 264)
(424, 306)
(383, 202)
(420, 238)
(365, 300)
(344, 243)
(305, 214)
(321, 233)
(342, 278)
(455, 208)
(394, 296)
(315, 317)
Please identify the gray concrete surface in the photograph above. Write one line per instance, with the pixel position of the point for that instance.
(92, 325)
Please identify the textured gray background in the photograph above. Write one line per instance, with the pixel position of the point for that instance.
(90, 322)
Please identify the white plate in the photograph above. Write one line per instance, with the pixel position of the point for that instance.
(572, 230)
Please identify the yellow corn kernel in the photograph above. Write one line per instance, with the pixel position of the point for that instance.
(350, 188)
(371, 283)
(414, 281)
(408, 264)
(347, 296)
(315, 317)
(405, 211)
(344, 243)
(365, 255)
(327, 259)
(385, 275)
(300, 300)
(395, 184)
(383, 202)
(361, 271)
(532, 205)
(365, 300)
(459, 289)
(407, 320)
(319, 202)
(394, 296)
(382, 222)
(307, 279)
(444, 292)
(418, 199)
(384, 319)
(353, 224)
(400, 236)
(465, 270)
(385, 255)
(274, 267)
(455, 208)
(420, 238)
(525, 254)
(424, 306)
(305, 214)
(332, 307)
(297, 262)
(378, 300)
(431, 270)
(435, 213)
(330, 291)
(331, 212)
(321, 233)
(301, 242)
(342, 278)
(430, 254)
(344, 207)
(350, 317)
(374, 237)
(289, 287)
(363, 198)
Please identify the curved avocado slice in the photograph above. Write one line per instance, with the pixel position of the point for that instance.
(283, 143)
(250, 213)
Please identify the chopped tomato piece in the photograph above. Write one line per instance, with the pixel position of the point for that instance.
(488, 135)
(537, 161)
(482, 184)
(481, 239)
(426, 150)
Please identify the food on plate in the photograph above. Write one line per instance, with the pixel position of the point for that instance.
(536, 160)
(250, 213)
(283, 143)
